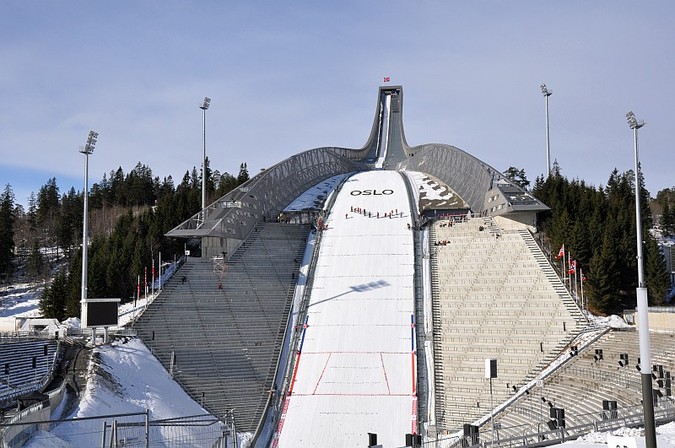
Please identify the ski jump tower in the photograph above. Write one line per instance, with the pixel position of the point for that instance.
(482, 188)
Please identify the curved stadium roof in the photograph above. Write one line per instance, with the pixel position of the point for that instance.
(483, 188)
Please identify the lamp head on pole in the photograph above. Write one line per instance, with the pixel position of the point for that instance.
(206, 103)
(633, 122)
(91, 143)
(545, 90)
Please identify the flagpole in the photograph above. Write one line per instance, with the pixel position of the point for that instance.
(576, 281)
(569, 280)
(152, 282)
(573, 277)
(574, 272)
(562, 263)
(582, 290)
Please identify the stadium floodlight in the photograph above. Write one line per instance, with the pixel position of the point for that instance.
(633, 122)
(204, 107)
(546, 92)
(642, 302)
(87, 150)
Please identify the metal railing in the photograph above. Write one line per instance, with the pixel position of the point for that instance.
(134, 429)
(533, 436)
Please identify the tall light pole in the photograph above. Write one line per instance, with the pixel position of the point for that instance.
(87, 151)
(204, 107)
(546, 92)
(642, 303)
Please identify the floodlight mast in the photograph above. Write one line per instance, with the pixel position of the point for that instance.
(546, 92)
(87, 150)
(642, 302)
(204, 107)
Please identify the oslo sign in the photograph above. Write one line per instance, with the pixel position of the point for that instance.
(385, 192)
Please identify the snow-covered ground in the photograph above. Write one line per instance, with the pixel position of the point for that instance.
(20, 300)
(315, 197)
(125, 377)
(665, 438)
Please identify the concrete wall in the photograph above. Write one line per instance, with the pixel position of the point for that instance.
(664, 321)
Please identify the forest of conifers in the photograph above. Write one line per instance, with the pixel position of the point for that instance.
(130, 213)
(598, 227)
(128, 217)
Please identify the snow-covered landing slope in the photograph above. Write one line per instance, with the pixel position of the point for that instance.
(128, 379)
(356, 371)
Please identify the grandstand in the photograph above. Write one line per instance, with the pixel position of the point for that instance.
(219, 328)
(26, 366)
(493, 298)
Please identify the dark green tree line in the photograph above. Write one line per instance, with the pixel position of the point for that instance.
(597, 226)
(118, 257)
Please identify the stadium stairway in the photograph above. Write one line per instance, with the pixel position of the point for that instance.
(221, 332)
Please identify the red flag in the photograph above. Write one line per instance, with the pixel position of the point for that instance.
(561, 252)
(387, 79)
(573, 267)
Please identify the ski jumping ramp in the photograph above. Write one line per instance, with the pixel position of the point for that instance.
(355, 372)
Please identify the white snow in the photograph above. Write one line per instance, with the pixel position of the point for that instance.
(423, 183)
(132, 381)
(21, 300)
(356, 372)
(665, 437)
(315, 197)
(612, 321)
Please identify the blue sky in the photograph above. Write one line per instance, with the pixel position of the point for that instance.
(289, 76)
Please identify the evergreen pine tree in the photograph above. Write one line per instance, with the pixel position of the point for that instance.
(53, 300)
(561, 229)
(32, 210)
(73, 294)
(603, 275)
(580, 242)
(667, 218)
(48, 210)
(98, 262)
(656, 274)
(243, 174)
(69, 221)
(6, 231)
(517, 176)
(74, 286)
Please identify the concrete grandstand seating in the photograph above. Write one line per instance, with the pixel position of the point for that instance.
(493, 297)
(226, 334)
(17, 375)
(581, 385)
